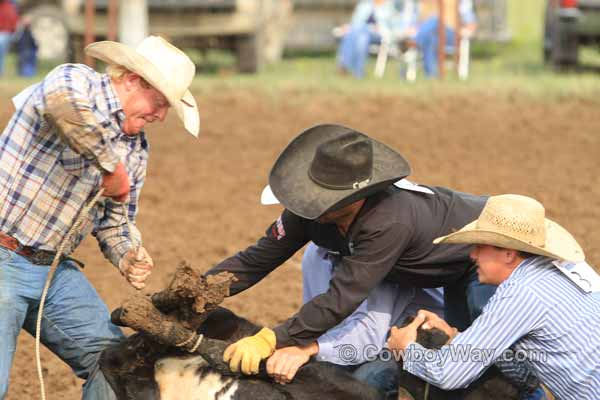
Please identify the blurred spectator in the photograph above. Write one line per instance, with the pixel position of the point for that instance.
(424, 28)
(8, 24)
(371, 18)
(27, 50)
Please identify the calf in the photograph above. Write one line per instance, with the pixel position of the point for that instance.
(140, 368)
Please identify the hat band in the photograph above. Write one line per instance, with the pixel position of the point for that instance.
(354, 185)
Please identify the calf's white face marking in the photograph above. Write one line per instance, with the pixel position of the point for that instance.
(187, 379)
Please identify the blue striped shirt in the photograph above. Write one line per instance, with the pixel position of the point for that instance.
(53, 153)
(545, 319)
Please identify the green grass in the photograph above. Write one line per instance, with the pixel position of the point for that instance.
(498, 69)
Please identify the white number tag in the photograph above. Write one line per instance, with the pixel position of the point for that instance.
(581, 273)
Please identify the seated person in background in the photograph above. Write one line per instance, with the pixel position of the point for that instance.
(369, 20)
(544, 312)
(359, 339)
(424, 21)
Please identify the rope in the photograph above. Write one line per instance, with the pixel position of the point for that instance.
(188, 340)
(197, 344)
(129, 228)
(55, 262)
(191, 339)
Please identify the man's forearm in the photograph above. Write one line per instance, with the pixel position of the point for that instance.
(80, 129)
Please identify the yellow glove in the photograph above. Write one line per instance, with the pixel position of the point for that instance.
(249, 351)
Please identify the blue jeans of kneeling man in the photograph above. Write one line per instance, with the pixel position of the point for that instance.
(76, 324)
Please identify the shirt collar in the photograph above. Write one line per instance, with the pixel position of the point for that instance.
(112, 100)
(524, 266)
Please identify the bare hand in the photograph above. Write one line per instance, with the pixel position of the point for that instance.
(136, 266)
(285, 362)
(400, 338)
(116, 184)
(432, 320)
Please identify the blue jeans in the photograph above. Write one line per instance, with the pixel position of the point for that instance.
(354, 49)
(427, 40)
(465, 300)
(380, 374)
(76, 323)
(27, 64)
(5, 38)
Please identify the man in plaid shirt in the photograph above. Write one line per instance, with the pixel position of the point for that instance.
(75, 132)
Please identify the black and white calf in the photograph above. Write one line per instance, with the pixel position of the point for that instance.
(140, 368)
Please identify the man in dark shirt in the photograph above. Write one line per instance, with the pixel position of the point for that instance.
(337, 186)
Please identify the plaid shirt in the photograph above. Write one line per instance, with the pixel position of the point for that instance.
(53, 153)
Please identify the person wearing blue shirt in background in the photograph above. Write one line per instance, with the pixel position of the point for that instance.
(369, 19)
(424, 19)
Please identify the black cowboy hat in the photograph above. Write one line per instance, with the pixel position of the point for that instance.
(329, 166)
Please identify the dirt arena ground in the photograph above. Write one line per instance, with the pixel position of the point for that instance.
(201, 199)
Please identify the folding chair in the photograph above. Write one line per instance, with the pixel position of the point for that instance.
(411, 59)
(395, 46)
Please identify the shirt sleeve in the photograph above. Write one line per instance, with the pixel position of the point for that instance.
(505, 320)
(112, 231)
(467, 15)
(362, 336)
(281, 241)
(361, 13)
(67, 104)
(374, 255)
(409, 14)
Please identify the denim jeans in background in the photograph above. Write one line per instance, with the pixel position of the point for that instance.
(5, 38)
(76, 324)
(354, 49)
(427, 41)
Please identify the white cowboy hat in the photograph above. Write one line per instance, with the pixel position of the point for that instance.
(165, 67)
(518, 222)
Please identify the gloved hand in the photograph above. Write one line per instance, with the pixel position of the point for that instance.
(136, 266)
(116, 184)
(249, 351)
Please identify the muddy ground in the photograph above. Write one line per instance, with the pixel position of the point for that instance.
(200, 202)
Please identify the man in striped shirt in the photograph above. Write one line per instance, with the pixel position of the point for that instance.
(75, 132)
(545, 313)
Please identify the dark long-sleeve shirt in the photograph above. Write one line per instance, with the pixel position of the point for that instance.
(390, 239)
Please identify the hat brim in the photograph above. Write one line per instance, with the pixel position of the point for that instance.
(292, 186)
(560, 244)
(114, 53)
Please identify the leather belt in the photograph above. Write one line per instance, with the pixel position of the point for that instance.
(35, 256)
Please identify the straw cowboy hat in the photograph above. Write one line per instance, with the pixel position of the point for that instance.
(163, 66)
(329, 166)
(518, 222)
